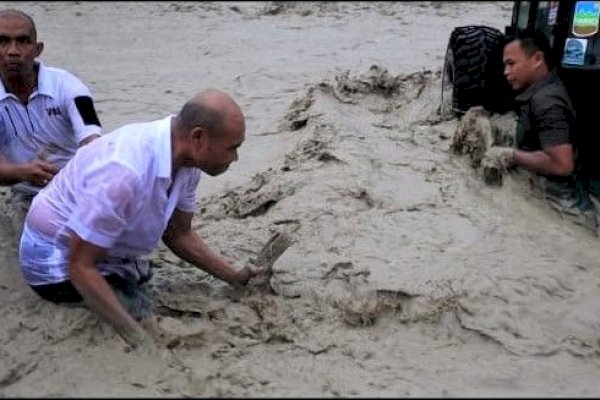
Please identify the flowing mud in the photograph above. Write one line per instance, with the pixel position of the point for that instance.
(397, 271)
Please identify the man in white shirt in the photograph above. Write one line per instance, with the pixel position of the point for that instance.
(46, 113)
(112, 203)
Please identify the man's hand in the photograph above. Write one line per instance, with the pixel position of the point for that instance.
(139, 339)
(498, 157)
(495, 162)
(97, 293)
(39, 172)
(243, 275)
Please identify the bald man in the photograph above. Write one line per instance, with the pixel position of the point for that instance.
(46, 113)
(86, 232)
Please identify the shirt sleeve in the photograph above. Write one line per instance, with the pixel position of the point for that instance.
(552, 118)
(107, 202)
(80, 109)
(188, 197)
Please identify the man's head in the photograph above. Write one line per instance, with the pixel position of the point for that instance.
(527, 60)
(213, 127)
(18, 44)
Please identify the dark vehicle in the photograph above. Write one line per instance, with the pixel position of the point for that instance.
(473, 70)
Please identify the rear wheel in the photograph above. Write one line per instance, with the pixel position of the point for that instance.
(472, 73)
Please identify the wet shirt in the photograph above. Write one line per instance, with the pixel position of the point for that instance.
(58, 115)
(546, 115)
(545, 118)
(117, 193)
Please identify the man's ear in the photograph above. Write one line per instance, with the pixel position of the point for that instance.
(39, 48)
(538, 58)
(199, 136)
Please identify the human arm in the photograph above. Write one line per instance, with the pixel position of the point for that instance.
(97, 293)
(556, 160)
(186, 244)
(103, 210)
(37, 172)
(81, 110)
(88, 139)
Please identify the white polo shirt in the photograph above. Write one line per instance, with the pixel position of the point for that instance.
(114, 193)
(56, 118)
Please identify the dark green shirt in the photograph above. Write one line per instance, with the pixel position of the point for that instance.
(545, 117)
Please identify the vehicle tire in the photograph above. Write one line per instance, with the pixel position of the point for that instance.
(473, 71)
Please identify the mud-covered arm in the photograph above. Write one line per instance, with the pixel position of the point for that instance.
(97, 293)
(105, 209)
(186, 244)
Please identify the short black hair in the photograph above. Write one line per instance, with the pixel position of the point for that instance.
(533, 41)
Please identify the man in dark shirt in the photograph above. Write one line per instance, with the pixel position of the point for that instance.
(545, 125)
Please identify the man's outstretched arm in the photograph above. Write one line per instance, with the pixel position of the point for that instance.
(187, 245)
(556, 160)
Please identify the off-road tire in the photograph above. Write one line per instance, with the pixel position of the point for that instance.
(473, 70)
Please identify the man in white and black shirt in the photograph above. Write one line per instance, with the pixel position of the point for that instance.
(46, 113)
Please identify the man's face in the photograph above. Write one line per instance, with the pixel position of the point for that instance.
(519, 68)
(18, 46)
(221, 150)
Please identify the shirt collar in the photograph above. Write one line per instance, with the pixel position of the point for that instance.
(43, 86)
(43, 81)
(165, 159)
(533, 89)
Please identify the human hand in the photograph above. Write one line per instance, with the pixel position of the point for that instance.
(243, 275)
(498, 157)
(495, 162)
(139, 339)
(39, 172)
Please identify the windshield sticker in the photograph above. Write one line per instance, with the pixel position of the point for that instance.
(575, 51)
(586, 17)
(552, 12)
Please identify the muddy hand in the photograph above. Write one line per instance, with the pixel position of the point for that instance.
(271, 251)
(249, 272)
(495, 163)
(499, 157)
(139, 340)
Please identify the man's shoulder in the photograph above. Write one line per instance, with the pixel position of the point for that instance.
(551, 93)
(553, 86)
(145, 134)
(59, 77)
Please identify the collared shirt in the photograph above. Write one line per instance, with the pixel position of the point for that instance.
(546, 115)
(116, 193)
(58, 115)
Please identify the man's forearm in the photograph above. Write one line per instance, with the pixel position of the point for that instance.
(88, 140)
(100, 298)
(10, 174)
(191, 248)
(539, 161)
